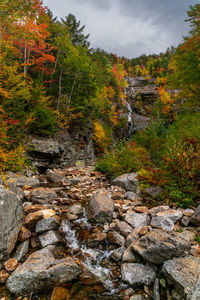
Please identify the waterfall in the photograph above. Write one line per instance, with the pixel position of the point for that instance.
(130, 118)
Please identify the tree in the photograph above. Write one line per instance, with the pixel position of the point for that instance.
(76, 31)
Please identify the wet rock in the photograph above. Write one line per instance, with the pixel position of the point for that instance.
(129, 256)
(96, 238)
(76, 209)
(60, 293)
(43, 195)
(47, 224)
(153, 191)
(118, 253)
(128, 182)
(184, 273)
(24, 234)
(11, 264)
(100, 208)
(32, 218)
(22, 250)
(162, 223)
(42, 270)
(156, 290)
(51, 237)
(3, 276)
(138, 297)
(135, 274)
(11, 213)
(124, 228)
(53, 176)
(115, 238)
(158, 245)
(137, 220)
(195, 219)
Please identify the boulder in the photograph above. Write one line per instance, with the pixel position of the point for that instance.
(131, 196)
(100, 208)
(32, 218)
(53, 176)
(118, 253)
(115, 238)
(124, 228)
(158, 245)
(11, 218)
(136, 274)
(162, 222)
(51, 237)
(47, 224)
(43, 195)
(21, 180)
(184, 274)
(172, 214)
(128, 182)
(195, 219)
(153, 191)
(137, 220)
(129, 256)
(22, 250)
(96, 238)
(42, 270)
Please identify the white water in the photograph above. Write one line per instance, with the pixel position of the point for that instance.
(92, 258)
(130, 118)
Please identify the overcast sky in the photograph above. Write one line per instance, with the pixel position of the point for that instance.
(129, 27)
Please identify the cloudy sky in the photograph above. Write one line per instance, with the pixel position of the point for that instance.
(129, 27)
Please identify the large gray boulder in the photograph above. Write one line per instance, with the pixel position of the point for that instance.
(100, 208)
(158, 245)
(184, 274)
(137, 220)
(128, 182)
(43, 269)
(134, 274)
(11, 213)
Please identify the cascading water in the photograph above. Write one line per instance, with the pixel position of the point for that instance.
(92, 258)
(130, 117)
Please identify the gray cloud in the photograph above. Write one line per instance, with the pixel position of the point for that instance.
(129, 27)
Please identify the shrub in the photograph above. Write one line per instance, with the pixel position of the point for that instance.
(123, 158)
(44, 121)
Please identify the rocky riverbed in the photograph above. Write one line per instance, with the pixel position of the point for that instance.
(72, 234)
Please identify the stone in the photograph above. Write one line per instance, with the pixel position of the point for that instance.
(22, 181)
(131, 196)
(141, 209)
(50, 237)
(153, 191)
(172, 214)
(156, 290)
(76, 209)
(184, 274)
(118, 253)
(96, 238)
(32, 218)
(188, 212)
(124, 228)
(129, 256)
(115, 238)
(3, 276)
(47, 224)
(136, 274)
(60, 293)
(11, 218)
(11, 264)
(128, 182)
(153, 211)
(158, 245)
(138, 297)
(53, 176)
(30, 208)
(46, 147)
(162, 222)
(42, 270)
(24, 234)
(43, 195)
(137, 220)
(22, 250)
(195, 219)
(185, 221)
(100, 208)
(133, 236)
